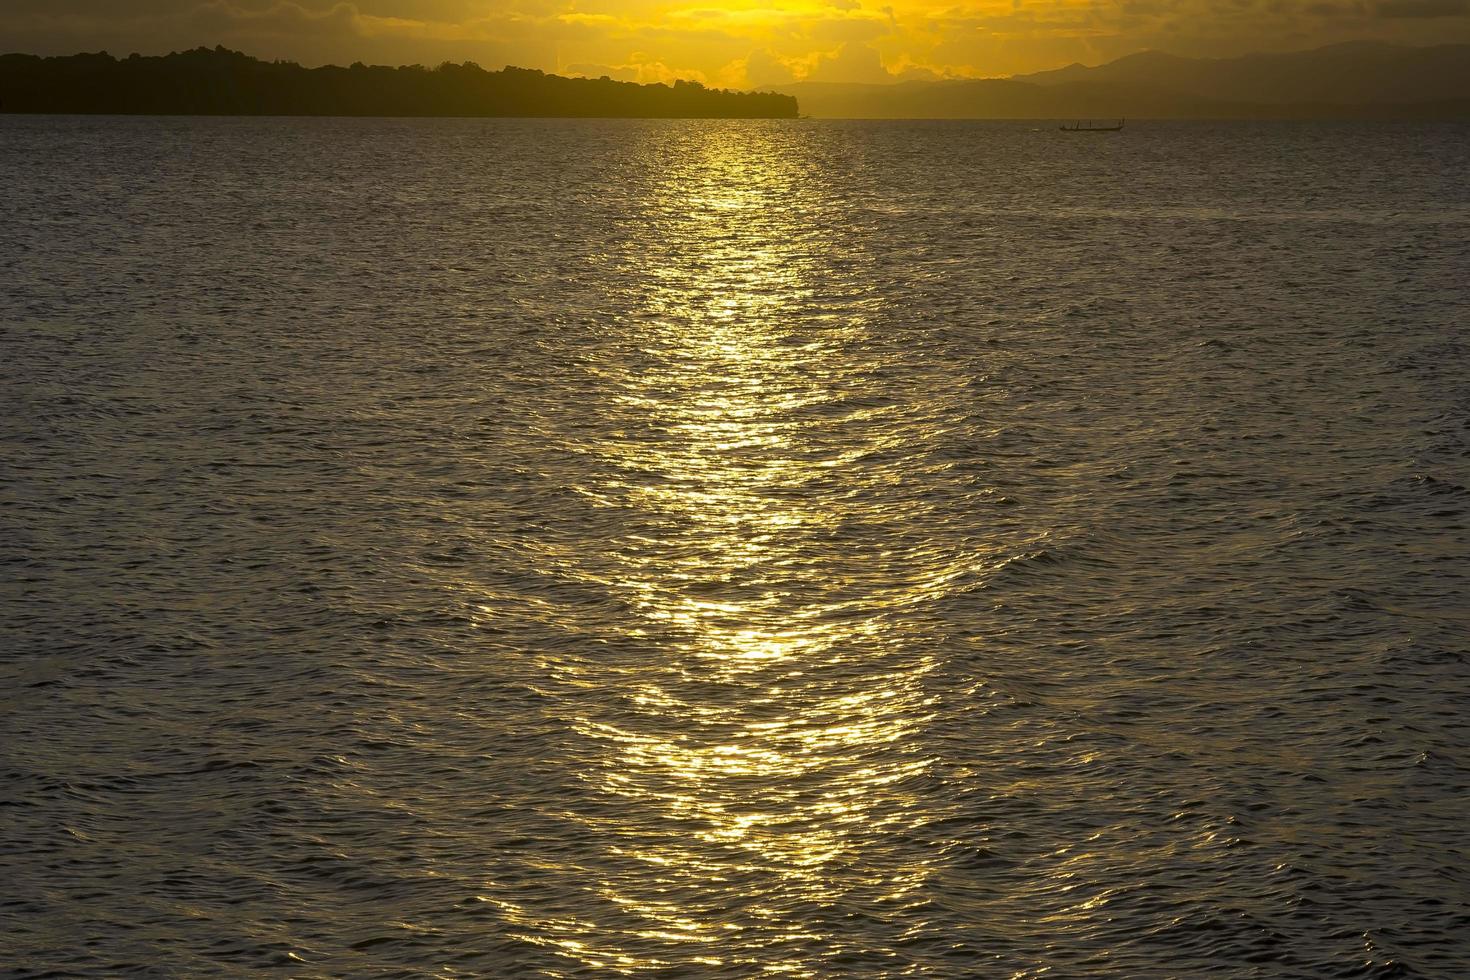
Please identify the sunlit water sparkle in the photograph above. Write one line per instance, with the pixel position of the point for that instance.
(796, 549)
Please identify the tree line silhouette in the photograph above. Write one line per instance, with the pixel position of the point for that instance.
(218, 81)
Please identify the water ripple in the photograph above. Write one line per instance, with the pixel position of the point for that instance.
(813, 550)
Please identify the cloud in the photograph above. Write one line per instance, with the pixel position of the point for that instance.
(764, 69)
(860, 28)
(641, 69)
(621, 73)
(731, 42)
(1421, 9)
(853, 62)
(227, 19)
(918, 73)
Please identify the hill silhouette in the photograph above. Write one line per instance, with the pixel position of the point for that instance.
(218, 81)
(1356, 73)
(1365, 80)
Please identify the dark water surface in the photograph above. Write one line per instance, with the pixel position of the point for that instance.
(802, 549)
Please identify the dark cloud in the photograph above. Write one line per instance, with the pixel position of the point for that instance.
(1421, 9)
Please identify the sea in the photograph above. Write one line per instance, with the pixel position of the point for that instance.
(733, 549)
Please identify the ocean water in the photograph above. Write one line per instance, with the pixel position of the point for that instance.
(805, 549)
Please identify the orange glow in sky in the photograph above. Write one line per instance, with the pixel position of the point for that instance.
(735, 43)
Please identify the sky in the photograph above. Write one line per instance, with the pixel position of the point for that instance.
(729, 43)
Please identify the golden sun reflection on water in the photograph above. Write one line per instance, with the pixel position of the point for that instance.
(765, 742)
(720, 550)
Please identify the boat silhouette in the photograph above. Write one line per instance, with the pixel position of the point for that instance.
(1077, 127)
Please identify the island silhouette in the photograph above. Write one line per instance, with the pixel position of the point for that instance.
(218, 81)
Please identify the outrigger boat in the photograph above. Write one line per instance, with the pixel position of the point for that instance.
(1077, 127)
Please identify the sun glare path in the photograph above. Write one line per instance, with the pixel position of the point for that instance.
(766, 746)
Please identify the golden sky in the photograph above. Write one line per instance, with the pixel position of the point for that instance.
(733, 43)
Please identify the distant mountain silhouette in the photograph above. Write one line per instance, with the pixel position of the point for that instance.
(1359, 80)
(1358, 73)
(223, 82)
